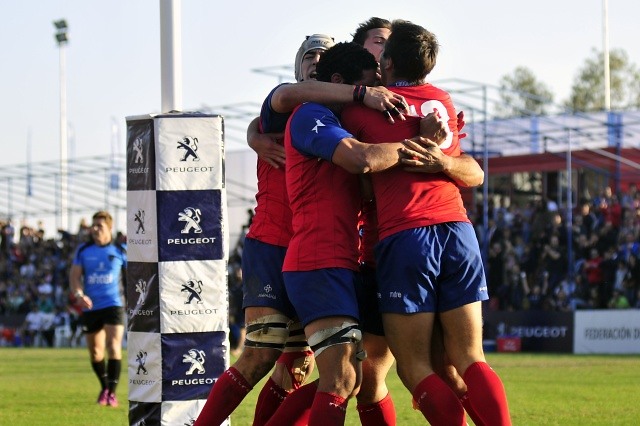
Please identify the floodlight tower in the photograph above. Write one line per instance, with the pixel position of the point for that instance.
(62, 39)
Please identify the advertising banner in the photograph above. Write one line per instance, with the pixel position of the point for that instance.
(613, 331)
(539, 331)
(177, 294)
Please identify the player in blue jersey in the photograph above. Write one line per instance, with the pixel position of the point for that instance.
(95, 282)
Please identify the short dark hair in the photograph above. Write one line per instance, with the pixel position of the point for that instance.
(348, 59)
(412, 49)
(361, 32)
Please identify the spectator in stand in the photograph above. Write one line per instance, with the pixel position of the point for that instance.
(28, 271)
(573, 290)
(620, 276)
(45, 303)
(602, 201)
(527, 214)
(47, 326)
(629, 247)
(553, 261)
(629, 289)
(45, 288)
(504, 214)
(593, 268)
(534, 298)
(539, 221)
(515, 295)
(636, 304)
(493, 233)
(630, 224)
(16, 301)
(7, 336)
(7, 234)
(4, 297)
(561, 302)
(62, 320)
(618, 301)
(511, 265)
(31, 327)
(27, 239)
(608, 208)
(609, 267)
(631, 198)
(519, 247)
(84, 231)
(593, 299)
(607, 236)
(634, 270)
(17, 258)
(495, 273)
(589, 220)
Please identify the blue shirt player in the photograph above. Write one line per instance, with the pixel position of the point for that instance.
(95, 282)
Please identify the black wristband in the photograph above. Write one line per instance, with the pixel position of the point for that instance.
(359, 92)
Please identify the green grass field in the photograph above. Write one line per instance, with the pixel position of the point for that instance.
(57, 387)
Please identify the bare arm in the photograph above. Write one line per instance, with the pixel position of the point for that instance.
(429, 158)
(75, 281)
(265, 144)
(288, 96)
(359, 157)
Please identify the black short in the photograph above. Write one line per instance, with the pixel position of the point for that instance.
(367, 291)
(93, 321)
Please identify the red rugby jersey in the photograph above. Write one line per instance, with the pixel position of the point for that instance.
(325, 198)
(408, 200)
(271, 223)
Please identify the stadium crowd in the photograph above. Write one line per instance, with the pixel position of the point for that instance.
(34, 283)
(528, 251)
(526, 258)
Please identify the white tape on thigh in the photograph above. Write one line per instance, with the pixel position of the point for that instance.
(340, 335)
(269, 331)
(297, 341)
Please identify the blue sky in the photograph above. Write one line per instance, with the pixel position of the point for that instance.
(113, 58)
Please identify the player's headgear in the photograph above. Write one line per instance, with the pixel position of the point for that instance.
(312, 42)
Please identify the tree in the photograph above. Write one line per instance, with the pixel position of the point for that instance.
(587, 92)
(521, 94)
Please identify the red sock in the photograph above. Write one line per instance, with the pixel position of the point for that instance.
(297, 365)
(381, 413)
(226, 394)
(328, 409)
(296, 408)
(486, 394)
(270, 398)
(464, 400)
(438, 403)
